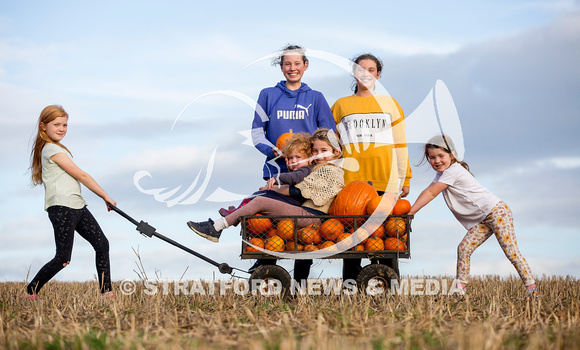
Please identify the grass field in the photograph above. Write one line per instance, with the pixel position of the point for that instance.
(495, 314)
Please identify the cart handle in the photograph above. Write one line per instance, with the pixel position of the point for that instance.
(147, 230)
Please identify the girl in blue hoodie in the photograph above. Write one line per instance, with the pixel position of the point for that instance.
(290, 105)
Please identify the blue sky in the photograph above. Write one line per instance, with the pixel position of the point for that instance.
(125, 71)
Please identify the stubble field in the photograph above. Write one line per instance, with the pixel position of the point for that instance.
(495, 314)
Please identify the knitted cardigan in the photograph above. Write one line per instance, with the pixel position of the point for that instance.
(321, 186)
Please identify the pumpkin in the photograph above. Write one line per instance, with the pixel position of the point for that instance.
(380, 205)
(331, 229)
(285, 229)
(352, 200)
(374, 243)
(361, 234)
(275, 244)
(396, 227)
(327, 244)
(310, 234)
(343, 236)
(392, 243)
(258, 242)
(283, 139)
(291, 247)
(310, 248)
(379, 232)
(402, 207)
(271, 233)
(259, 226)
(359, 248)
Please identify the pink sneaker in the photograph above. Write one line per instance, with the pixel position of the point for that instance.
(108, 296)
(30, 297)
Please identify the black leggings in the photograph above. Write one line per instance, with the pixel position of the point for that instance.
(65, 221)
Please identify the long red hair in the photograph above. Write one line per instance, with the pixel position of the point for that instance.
(47, 115)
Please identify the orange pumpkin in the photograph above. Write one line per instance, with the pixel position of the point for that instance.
(258, 242)
(380, 205)
(379, 232)
(271, 233)
(331, 229)
(291, 246)
(310, 248)
(396, 227)
(374, 243)
(362, 234)
(285, 229)
(327, 244)
(259, 226)
(392, 243)
(352, 200)
(359, 248)
(275, 244)
(283, 139)
(402, 207)
(310, 234)
(342, 237)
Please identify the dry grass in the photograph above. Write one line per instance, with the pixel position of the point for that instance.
(495, 315)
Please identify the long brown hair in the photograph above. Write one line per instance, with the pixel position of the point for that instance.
(47, 115)
(454, 160)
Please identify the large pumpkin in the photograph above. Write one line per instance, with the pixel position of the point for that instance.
(283, 139)
(352, 200)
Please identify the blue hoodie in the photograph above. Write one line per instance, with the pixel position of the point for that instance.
(280, 110)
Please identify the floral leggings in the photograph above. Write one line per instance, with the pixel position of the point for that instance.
(500, 223)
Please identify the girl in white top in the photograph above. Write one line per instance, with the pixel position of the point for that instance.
(477, 209)
(53, 167)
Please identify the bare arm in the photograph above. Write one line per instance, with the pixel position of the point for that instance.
(271, 182)
(73, 170)
(282, 189)
(427, 196)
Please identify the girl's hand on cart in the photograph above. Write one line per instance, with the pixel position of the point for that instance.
(108, 201)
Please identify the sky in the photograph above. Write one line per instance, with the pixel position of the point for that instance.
(164, 93)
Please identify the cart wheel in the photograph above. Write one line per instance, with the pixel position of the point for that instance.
(375, 279)
(270, 281)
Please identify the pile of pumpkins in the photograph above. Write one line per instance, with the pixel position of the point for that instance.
(357, 198)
